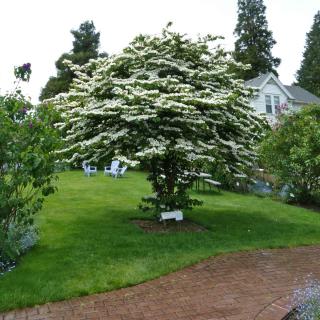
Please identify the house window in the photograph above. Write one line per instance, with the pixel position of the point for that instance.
(276, 103)
(268, 104)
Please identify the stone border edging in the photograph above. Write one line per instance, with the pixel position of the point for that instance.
(276, 310)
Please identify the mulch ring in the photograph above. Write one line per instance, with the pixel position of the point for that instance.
(154, 226)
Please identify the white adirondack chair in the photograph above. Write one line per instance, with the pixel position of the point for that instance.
(88, 170)
(119, 172)
(112, 168)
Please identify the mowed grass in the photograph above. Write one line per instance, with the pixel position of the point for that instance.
(88, 243)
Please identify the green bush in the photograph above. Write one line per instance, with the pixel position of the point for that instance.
(291, 152)
(28, 140)
(230, 180)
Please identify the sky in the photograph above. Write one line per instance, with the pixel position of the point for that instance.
(38, 31)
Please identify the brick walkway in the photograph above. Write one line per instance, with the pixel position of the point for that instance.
(239, 286)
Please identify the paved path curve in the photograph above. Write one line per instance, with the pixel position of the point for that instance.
(238, 286)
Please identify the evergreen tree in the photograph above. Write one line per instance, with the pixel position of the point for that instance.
(308, 76)
(85, 47)
(255, 41)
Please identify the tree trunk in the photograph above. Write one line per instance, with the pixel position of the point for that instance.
(170, 173)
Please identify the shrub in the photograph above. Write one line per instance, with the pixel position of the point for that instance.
(291, 152)
(231, 181)
(27, 163)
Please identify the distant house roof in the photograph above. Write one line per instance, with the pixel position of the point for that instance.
(302, 95)
(294, 92)
(258, 81)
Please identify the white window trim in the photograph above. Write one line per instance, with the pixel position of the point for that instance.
(265, 102)
(273, 105)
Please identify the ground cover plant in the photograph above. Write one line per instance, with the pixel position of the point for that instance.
(307, 301)
(89, 244)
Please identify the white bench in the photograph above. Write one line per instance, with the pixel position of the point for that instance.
(177, 215)
(213, 183)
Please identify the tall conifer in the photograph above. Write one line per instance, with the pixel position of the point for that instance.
(85, 47)
(308, 75)
(254, 40)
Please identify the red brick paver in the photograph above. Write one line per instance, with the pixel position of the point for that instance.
(238, 286)
(276, 310)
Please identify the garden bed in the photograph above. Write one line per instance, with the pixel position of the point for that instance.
(154, 226)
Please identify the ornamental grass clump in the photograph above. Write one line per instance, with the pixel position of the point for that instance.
(167, 102)
(14, 243)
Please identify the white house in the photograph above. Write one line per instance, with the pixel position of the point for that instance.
(271, 95)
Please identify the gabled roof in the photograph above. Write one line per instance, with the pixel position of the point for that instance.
(257, 82)
(302, 95)
(260, 81)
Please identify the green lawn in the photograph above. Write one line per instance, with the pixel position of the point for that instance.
(88, 244)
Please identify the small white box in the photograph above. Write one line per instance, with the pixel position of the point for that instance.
(177, 215)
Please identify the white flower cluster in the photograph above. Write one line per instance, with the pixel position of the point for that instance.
(163, 95)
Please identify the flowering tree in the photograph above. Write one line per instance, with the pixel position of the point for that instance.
(27, 142)
(166, 101)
